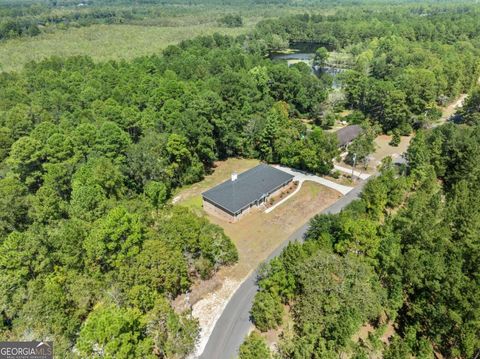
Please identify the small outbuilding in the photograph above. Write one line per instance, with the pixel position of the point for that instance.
(235, 197)
(347, 134)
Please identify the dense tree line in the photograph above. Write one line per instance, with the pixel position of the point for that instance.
(231, 20)
(470, 111)
(405, 253)
(32, 20)
(217, 99)
(353, 26)
(22, 18)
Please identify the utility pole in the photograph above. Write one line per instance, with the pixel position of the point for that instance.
(353, 167)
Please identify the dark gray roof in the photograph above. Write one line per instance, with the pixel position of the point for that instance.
(348, 134)
(249, 187)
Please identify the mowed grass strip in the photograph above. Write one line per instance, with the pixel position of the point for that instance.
(102, 42)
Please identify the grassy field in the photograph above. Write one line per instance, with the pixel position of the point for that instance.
(103, 42)
(165, 25)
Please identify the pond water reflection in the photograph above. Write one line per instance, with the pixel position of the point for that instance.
(305, 52)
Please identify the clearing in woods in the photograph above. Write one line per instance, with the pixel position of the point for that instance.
(256, 235)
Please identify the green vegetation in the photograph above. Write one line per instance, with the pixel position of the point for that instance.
(101, 42)
(254, 347)
(90, 154)
(267, 311)
(321, 56)
(30, 19)
(114, 30)
(395, 139)
(406, 251)
(231, 20)
(470, 112)
(362, 146)
(410, 61)
(93, 147)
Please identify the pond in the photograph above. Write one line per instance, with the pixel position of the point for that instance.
(305, 52)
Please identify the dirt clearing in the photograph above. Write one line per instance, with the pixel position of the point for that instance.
(382, 150)
(258, 234)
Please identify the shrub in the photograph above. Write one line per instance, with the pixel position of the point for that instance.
(231, 20)
(356, 117)
(204, 267)
(254, 347)
(328, 121)
(336, 174)
(395, 141)
(266, 311)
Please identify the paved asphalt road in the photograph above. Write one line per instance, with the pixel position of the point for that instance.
(234, 323)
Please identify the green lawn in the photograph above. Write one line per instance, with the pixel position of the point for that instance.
(103, 42)
(194, 202)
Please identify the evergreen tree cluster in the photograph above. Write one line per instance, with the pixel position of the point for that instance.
(405, 254)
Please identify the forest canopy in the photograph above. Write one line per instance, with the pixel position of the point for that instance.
(403, 256)
(92, 152)
(406, 61)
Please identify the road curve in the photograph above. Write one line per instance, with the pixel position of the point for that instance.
(234, 323)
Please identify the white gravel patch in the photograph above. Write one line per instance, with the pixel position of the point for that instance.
(305, 176)
(209, 309)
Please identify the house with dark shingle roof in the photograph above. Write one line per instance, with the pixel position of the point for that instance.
(237, 196)
(348, 134)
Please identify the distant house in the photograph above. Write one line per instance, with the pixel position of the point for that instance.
(235, 197)
(347, 134)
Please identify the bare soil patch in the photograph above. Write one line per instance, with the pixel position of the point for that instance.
(449, 110)
(258, 234)
(384, 149)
